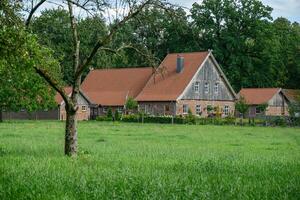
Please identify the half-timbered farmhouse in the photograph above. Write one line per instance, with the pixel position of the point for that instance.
(183, 82)
(274, 98)
(188, 81)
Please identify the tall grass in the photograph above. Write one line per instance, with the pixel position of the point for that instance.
(150, 161)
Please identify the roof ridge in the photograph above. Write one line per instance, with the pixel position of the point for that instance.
(120, 68)
(259, 88)
(194, 52)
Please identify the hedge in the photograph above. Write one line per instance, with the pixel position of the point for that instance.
(191, 119)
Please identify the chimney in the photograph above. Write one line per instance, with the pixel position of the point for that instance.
(180, 64)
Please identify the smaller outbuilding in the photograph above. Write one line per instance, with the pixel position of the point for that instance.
(265, 101)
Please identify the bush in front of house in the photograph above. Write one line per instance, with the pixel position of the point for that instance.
(130, 118)
(103, 119)
(117, 115)
(279, 121)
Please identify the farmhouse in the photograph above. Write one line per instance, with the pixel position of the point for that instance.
(110, 88)
(84, 103)
(188, 82)
(274, 99)
(182, 82)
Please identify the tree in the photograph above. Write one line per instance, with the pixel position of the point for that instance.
(241, 106)
(109, 113)
(288, 35)
(243, 40)
(262, 107)
(21, 87)
(131, 104)
(80, 65)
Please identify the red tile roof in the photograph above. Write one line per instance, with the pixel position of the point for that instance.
(256, 96)
(111, 87)
(58, 98)
(169, 85)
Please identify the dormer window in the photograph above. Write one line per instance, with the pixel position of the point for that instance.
(197, 86)
(216, 88)
(206, 88)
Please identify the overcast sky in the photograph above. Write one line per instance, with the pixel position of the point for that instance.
(286, 8)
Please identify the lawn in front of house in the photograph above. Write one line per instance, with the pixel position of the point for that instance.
(149, 161)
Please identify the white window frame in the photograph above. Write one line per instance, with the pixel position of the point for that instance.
(197, 86)
(120, 109)
(216, 88)
(206, 88)
(226, 110)
(185, 108)
(83, 108)
(198, 109)
(104, 109)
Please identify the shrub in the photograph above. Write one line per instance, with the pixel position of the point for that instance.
(229, 120)
(109, 113)
(103, 118)
(279, 121)
(190, 118)
(130, 118)
(117, 115)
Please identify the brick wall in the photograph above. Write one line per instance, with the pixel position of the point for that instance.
(80, 115)
(158, 108)
(277, 111)
(192, 105)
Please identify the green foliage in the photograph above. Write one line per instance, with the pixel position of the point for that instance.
(262, 107)
(131, 104)
(128, 161)
(244, 41)
(294, 109)
(130, 118)
(190, 118)
(103, 118)
(117, 115)
(252, 50)
(109, 113)
(21, 87)
(241, 106)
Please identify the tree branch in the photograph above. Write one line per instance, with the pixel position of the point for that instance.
(44, 74)
(33, 11)
(108, 38)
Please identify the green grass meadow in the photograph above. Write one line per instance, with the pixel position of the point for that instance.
(149, 161)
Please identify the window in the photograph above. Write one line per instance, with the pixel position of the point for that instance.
(216, 88)
(198, 110)
(147, 108)
(167, 108)
(120, 109)
(257, 110)
(206, 88)
(196, 86)
(83, 108)
(209, 109)
(104, 109)
(185, 109)
(226, 110)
